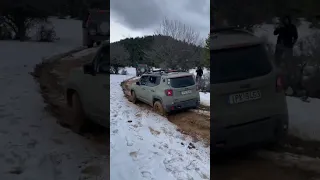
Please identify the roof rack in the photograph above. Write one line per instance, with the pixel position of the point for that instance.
(230, 29)
(162, 71)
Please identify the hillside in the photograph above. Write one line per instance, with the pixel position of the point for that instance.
(160, 51)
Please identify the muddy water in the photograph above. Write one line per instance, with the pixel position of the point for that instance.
(193, 124)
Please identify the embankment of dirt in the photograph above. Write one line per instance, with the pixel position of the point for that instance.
(193, 123)
(51, 75)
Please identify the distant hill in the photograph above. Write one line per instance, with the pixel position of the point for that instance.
(158, 49)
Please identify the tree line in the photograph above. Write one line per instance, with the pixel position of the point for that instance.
(20, 15)
(174, 45)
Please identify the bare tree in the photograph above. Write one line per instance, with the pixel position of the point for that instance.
(178, 31)
(167, 52)
(118, 57)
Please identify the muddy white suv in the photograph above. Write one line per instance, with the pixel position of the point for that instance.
(166, 92)
(249, 104)
(87, 91)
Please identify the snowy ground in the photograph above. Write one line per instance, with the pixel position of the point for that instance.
(33, 146)
(145, 145)
(304, 118)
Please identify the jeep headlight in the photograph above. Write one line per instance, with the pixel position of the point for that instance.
(92, 32)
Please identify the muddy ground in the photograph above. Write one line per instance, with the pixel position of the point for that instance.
(192, 123)
(250, 166)
(50, 75)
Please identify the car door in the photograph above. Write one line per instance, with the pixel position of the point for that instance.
(98, 87)
(150, 89)
(103, 89)
(143, 87)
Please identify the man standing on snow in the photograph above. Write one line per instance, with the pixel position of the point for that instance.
(199, 72)
(287, 37)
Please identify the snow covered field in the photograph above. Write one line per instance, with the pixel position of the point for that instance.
(33, 145)
(144, 145)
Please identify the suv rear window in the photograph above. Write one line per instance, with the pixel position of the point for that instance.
(99, 16)
(180, 82)
(237, 64)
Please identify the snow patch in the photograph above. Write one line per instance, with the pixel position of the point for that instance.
(145, 145)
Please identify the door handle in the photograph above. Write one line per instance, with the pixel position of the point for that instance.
(152, 90)
(143, 88)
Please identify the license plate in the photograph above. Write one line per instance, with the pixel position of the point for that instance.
(244, 97)
(186, 92)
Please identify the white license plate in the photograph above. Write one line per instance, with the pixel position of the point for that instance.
(244, 97)
(186, 92)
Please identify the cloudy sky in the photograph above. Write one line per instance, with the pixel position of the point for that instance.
(131, 18)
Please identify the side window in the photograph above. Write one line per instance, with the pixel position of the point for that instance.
(153, 81)
(144, 80)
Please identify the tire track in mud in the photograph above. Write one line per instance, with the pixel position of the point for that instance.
(50, 74)
(191, 123)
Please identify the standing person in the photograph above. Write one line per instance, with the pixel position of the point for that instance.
(199, 72)
(287, 36)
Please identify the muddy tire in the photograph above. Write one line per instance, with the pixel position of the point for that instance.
(77, 119)
(133, 97)
(158, 108)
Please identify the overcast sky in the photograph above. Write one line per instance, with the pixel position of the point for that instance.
(132, 18)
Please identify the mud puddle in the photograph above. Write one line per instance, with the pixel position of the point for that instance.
(191, 123)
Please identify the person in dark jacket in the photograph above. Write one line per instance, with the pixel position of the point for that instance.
(199, 72)
(287, 37)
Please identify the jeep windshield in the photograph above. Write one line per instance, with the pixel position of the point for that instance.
(180, 82)
(228, 65)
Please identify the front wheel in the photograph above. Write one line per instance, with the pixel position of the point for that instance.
(77, 119)
(133, 97)
(158, 108)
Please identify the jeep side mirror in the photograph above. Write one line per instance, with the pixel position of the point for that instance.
(88, 69)
(138, 83)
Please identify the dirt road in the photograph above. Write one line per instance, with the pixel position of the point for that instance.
(196, 125)
(191, 123)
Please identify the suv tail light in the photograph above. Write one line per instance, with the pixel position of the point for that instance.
(279, 84)
(168, 92)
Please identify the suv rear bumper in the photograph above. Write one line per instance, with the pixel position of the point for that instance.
(193, 103)
(261, 132)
